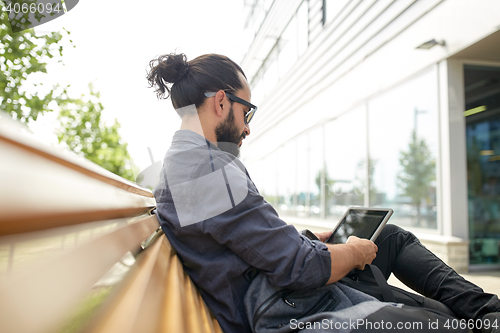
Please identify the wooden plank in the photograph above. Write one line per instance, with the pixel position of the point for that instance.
(122, 311)
(210, 324)
(150, 311)
(173, 312)
(193, 314)
(44, 188)
(157, 296)
(16, 134)
(52, 195)
(38, 298)
(29, 248)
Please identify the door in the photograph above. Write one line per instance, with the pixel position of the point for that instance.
(482, 105)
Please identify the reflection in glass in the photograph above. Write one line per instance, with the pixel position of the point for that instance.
(303, 169)
(286, 178)
(403, 143)
(264, 174)
(345, 154)
(325, 170)
(482, 105)
(316, 142)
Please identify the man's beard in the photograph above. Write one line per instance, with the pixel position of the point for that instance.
(228, 135)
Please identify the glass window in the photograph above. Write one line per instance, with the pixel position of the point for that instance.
(286, 178)
(403, 145)
(345, 157)
(264, 175)
(303, 187)
(316, 163)
(482, 117)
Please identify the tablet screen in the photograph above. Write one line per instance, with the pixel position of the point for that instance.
(362, 223)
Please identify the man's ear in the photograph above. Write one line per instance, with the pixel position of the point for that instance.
(220, 97)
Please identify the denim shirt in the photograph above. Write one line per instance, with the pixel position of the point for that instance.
(222, 228)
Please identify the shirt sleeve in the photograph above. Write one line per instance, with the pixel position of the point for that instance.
(254, 232)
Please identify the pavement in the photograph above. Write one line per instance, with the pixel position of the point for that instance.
(488, 280)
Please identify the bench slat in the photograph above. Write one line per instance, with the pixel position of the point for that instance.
(210, 324)
(173, 307)
(38, 298)
(157, 296)
(202, 320)
(17, 135)
(40, 193)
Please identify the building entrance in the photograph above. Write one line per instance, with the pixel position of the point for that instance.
(482, 105)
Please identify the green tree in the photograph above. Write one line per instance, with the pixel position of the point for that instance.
(23, 54)
(84, 132)
(361, 183)
(418, 171)
(328, 186)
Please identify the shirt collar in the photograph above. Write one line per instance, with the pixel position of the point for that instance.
(192, 137)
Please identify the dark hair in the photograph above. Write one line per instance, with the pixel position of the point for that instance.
(186, 82)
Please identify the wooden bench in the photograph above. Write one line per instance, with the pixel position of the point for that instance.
(64, 223)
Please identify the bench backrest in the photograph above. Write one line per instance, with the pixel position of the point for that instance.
(64, 223)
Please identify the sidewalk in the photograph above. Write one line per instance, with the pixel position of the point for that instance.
(489, 281)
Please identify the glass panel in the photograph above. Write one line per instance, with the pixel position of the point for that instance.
(403, 145)
(264, 175)
(482, 104)
(21, 250)
(316, 142)
(303, 186)
(286, 178)
(345, 177)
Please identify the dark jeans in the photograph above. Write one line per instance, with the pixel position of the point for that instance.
(401, 253)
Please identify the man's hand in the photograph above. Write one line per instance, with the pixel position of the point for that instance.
(355, 253)
(365, 251)
(323, 236)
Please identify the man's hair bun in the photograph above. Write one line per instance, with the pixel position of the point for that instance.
(186, 82)
(165, 70)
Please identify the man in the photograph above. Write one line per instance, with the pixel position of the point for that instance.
(224, 231)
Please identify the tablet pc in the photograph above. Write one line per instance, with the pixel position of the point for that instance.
(362, 222)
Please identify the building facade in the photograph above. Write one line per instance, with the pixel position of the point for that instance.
(383, 103)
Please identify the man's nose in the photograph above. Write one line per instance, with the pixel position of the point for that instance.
(247, 130)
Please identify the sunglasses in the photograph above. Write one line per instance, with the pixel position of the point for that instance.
(249, 115)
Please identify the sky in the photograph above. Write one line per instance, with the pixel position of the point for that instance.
(114, 42)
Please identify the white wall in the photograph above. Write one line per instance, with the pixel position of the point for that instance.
(369, 52)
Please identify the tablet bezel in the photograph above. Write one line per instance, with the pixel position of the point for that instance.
(377, 231)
